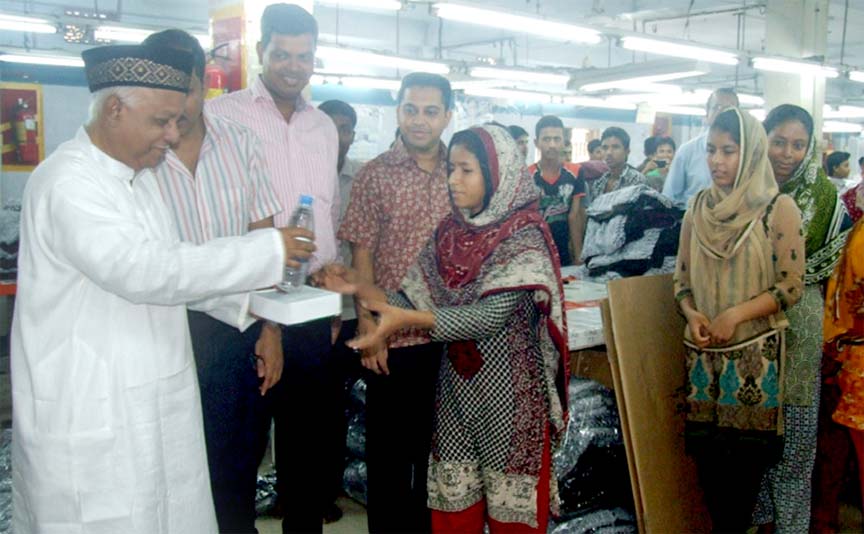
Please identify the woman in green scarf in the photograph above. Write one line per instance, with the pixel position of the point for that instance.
(785, 495)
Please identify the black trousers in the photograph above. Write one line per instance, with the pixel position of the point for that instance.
(231, 403)
(731, 465)
(399, 416)
(298, 403)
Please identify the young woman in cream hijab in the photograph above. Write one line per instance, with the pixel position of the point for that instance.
(740, 265)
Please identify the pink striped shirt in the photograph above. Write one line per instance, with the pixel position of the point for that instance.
(301, 156)
(229, 190)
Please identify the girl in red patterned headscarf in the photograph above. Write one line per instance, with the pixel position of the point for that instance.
(488, 284)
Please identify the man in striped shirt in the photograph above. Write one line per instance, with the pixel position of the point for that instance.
(215, 184)
(301, 147)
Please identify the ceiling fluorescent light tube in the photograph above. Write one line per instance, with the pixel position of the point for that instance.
(347, 55)
(840, 127)
(591, 102)
(656, 88)
(356, 82)
(547, 29)
(136, 35)
(668, 48)
(681, 110)
(758, 114)
(843, 112)
(118, 33)
(465, 84)
(856, 76)
(794, 67)
(387, 5)
(32, 59)
(660, 99)
(520, 75)
(26, 24)
(852, 112)
(639, 81)
(507, 94)
(750, 100)
(371, 83)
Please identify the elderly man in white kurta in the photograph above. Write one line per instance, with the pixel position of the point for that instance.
(107, 428)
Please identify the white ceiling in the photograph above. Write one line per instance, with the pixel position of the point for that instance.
(416, 32)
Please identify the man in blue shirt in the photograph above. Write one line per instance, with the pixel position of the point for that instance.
(689, 172)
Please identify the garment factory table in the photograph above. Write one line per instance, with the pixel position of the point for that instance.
(585, 335)
(582, 307)
(627, 335)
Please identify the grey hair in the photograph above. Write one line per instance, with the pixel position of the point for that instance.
(130, 96)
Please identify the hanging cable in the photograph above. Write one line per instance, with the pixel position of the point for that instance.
(843, 41)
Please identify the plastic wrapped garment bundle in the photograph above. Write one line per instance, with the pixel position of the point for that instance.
(591, 464)
(355, 437)
(354, 480)
(6, 481)
(265, 494)
(358, 396)
(10, 217)
(593, 418)
(614, 521)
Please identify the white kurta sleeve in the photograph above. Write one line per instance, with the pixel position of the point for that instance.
(123, 253)
(232, 310)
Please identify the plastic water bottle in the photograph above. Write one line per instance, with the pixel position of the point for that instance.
(302, 217)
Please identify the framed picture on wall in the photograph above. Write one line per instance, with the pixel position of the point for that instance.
(22, 126)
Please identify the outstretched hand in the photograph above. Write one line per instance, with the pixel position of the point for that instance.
(390, 320)
(338, 278)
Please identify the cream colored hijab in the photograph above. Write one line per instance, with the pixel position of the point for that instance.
(722, 221)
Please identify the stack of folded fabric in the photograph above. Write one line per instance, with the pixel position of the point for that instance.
(630, 232)
(591, 465)
(10, 217)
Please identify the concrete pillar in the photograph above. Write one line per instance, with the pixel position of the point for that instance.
(796, 29)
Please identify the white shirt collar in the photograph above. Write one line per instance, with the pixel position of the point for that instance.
(112, 166)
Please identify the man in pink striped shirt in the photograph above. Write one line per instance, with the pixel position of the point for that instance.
(215, 184)
(301, 148)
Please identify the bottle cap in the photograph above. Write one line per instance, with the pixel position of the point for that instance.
(306, 200)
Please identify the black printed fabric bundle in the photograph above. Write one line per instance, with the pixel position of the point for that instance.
(631, 231)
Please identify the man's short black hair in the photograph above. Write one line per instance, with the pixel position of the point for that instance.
(338, 107)
(661, 140)
(287, 19)
(547, 121)
(180, 40)
(861, 161)
(649, 147)
(517, 131)
(593, 145)
(427, 79)
(618, 133)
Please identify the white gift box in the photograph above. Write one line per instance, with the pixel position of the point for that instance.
(300, 305)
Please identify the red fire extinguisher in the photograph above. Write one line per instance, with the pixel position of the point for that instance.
(25, 134)
(215, 77)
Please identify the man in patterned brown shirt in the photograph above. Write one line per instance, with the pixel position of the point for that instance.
(397, 201)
